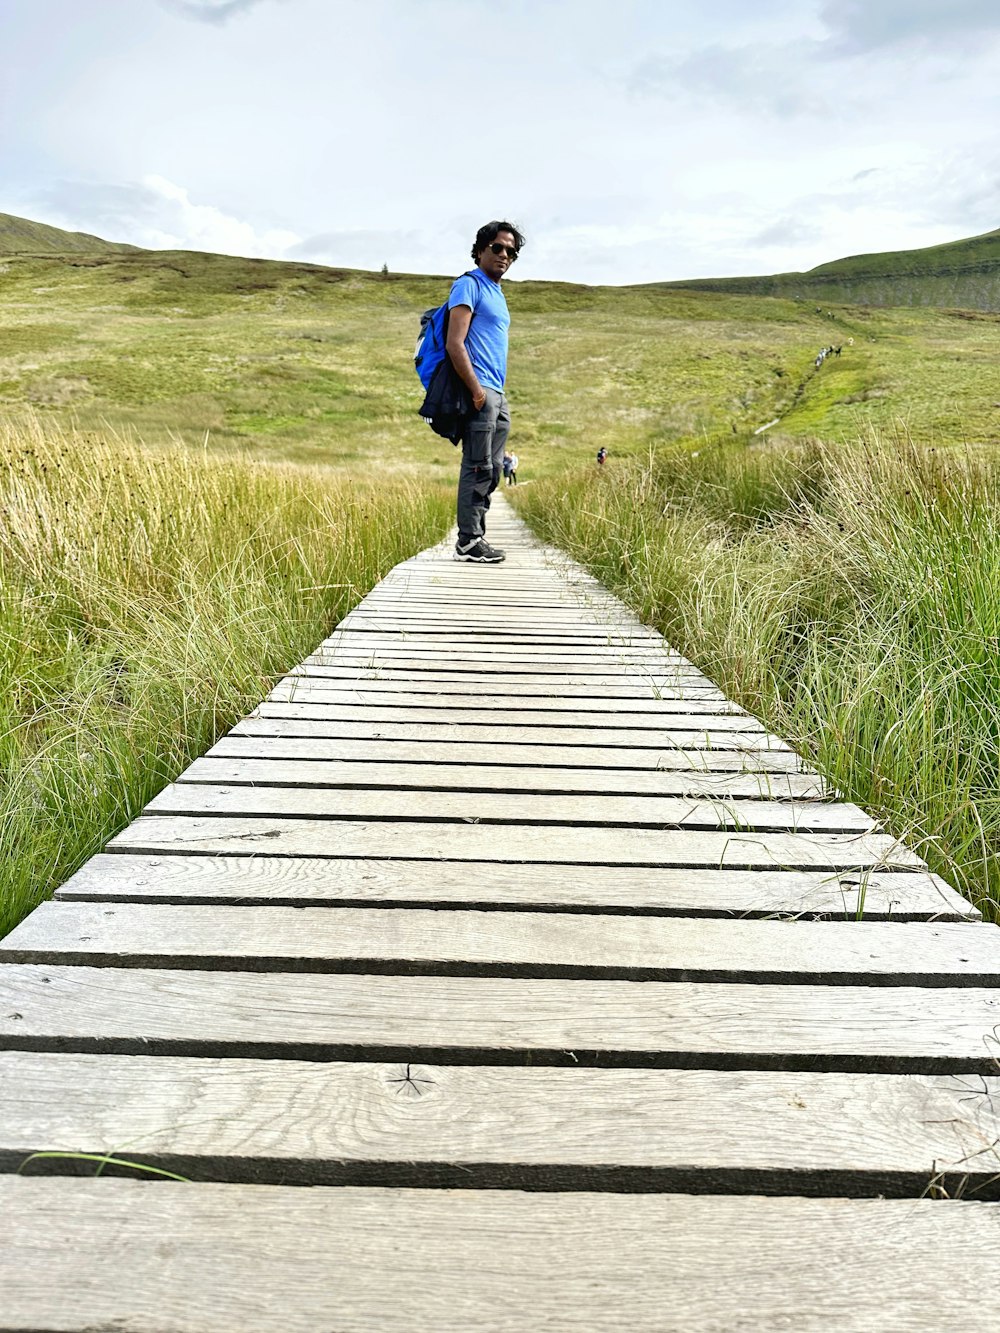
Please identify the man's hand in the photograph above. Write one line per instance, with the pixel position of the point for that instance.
(478, 398)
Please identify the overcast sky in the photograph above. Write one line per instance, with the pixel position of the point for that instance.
(632, 140)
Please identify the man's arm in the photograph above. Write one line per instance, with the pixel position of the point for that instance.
(459, 319)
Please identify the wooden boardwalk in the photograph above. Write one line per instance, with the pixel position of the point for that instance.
(572, 993)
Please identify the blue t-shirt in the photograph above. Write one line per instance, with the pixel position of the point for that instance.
(486, 341)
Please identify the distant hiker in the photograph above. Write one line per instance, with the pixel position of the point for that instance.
(512, 474)
(478, 321)
(507, 465)
(602, 454)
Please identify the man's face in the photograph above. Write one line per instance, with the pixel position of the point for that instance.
(496, 265)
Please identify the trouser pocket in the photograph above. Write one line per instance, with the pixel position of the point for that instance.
(481, 431)
(480, 444)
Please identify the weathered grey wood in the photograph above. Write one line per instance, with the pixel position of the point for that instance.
(408, 710)
(491, 643)
(570, 634)
(552, 844)
(88, 1255)
(498, 646)
(518, 608)
(299, 689)
(297, 881)
(498, 809)
(702, 733)
(310, 740)
(750, 1132)
(548, 657)
(517, 782)
(508, 944)
(552, 671)
(524, 684)
(529, 629)
(473, 613)
(892, 1029)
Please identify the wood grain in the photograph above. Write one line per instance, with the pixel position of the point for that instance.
(524, 684)
(516, 782)
(468, 726)
(473, 943)
(288, 739)
(299, 689)
(500, 1021)
(596, 810)
(143, 1258)
(549, 844)
(297, 881)
(419, 1124)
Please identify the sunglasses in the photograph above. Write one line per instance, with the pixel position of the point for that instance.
(509, 250)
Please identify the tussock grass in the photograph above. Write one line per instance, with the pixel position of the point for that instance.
(847, 595)
(148, 599)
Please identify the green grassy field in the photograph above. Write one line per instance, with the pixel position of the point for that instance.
(312, 364)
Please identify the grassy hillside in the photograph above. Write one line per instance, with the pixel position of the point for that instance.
(22, 236)
(961, 274)
(314, 364)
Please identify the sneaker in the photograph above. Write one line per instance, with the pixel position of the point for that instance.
(479, 550)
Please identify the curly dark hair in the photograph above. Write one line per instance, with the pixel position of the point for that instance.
(487, 235)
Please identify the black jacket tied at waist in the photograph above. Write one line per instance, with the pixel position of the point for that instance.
(448, 404)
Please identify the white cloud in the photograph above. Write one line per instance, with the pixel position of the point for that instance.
(205, 227)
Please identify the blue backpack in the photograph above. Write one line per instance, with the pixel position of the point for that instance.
(429, 351)
(431, 340)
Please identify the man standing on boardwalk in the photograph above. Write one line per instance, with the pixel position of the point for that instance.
(478, 321)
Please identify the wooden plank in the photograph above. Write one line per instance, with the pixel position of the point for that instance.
(504, 1126)
(85, 1255)
(593, 810)
(402, 657)
(542, 644)
(551, 845)
(459, 667)
(299, 689)
(598, 643)
(409, 610)
(458, 625)
(572, 633)
(522, 606)
(295, 881)
(518, 714)
(528, 944)
(284, 738)
(707, 732)
(516, 782)
(498, 1021)
(525, 684)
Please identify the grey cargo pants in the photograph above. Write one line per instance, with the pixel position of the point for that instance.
(483, 443)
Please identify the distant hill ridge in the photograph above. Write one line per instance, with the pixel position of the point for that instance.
(962, 275)
(957, 275)
(21, 236)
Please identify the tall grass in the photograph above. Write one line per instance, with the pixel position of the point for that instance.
(850, 596)
(148, 599)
